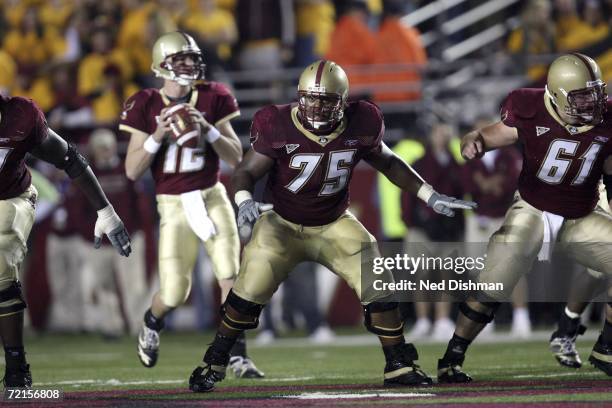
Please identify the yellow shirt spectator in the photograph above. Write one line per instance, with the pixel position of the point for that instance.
(8, 70)
(28, 48)
(39, 91)
(212, 25)
(91, 70)
(316, 18)
(56, 13)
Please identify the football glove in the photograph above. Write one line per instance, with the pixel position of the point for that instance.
(110, 224)
(443, 204)
(249, 211)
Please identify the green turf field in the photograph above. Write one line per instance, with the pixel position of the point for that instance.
(94, 372)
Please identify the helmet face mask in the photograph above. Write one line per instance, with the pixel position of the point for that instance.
(588, 105)
(322, 95)
(177, 57)
(320, 111)
(575, 88)
(184, 67)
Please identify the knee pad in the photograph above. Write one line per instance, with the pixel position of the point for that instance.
(479, 317)
(11, 299)
(240, 314)
(382, 330)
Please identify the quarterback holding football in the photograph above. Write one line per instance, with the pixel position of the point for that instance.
(180, 132)
(309, 151)
(566, 133)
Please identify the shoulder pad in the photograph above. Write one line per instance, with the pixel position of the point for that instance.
(265, 130)
(523, 103)
(366, 122)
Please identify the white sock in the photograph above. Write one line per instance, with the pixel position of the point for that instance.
(571, 314)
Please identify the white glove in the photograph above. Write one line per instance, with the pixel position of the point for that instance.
(443, 204)
(110, 224)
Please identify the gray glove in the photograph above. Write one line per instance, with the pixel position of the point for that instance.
(110, 224)
(248, 213)
(443, 204)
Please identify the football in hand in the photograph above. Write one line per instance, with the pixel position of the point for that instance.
(185, 130)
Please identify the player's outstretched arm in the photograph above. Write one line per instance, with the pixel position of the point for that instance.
(64, 156)
(404, 176)
(252, 168)
(475, 143)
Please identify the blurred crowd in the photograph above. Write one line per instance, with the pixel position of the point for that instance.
(80, 60)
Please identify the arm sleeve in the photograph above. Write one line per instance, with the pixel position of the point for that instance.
(508, 112)
(226, 106)
(132, 117)
(373, 126)
(40, 128)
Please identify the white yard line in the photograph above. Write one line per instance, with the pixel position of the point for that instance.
(323, 395)
(545, 375)
(111, 382)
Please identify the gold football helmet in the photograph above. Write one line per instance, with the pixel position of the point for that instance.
(170, 53)
(575, 87)
(322, 93)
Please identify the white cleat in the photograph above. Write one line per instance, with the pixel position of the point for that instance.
(148, 346)
(244, 368)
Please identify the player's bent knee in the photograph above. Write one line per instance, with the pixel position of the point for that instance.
(174, 298)
(381, 326)
(11, 299)
(240, 314)
(479, 316)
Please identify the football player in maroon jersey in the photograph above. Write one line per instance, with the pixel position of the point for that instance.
(309, 151)
(192, 203)
(566, 132)
(23, 129)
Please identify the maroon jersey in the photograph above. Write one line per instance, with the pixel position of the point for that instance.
(308, 184)
(177, 169)
(562, 164)
(22, 127)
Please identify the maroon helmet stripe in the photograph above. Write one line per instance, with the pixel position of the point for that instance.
(586, 62)
(319, 73)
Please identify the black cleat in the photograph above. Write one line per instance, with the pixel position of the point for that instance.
(451, 372)
(601, 357)
(20, 378)
(400, 370)
(563, 347)
(203, 379)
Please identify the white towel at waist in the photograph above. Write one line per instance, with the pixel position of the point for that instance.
(197, 216)
(552, 225)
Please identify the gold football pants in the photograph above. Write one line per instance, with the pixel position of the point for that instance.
(515, 246)
(16, 220)
(178, 244)
(278, 245)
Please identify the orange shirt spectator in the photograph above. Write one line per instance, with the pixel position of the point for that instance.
(399, 44)
(352, 43)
